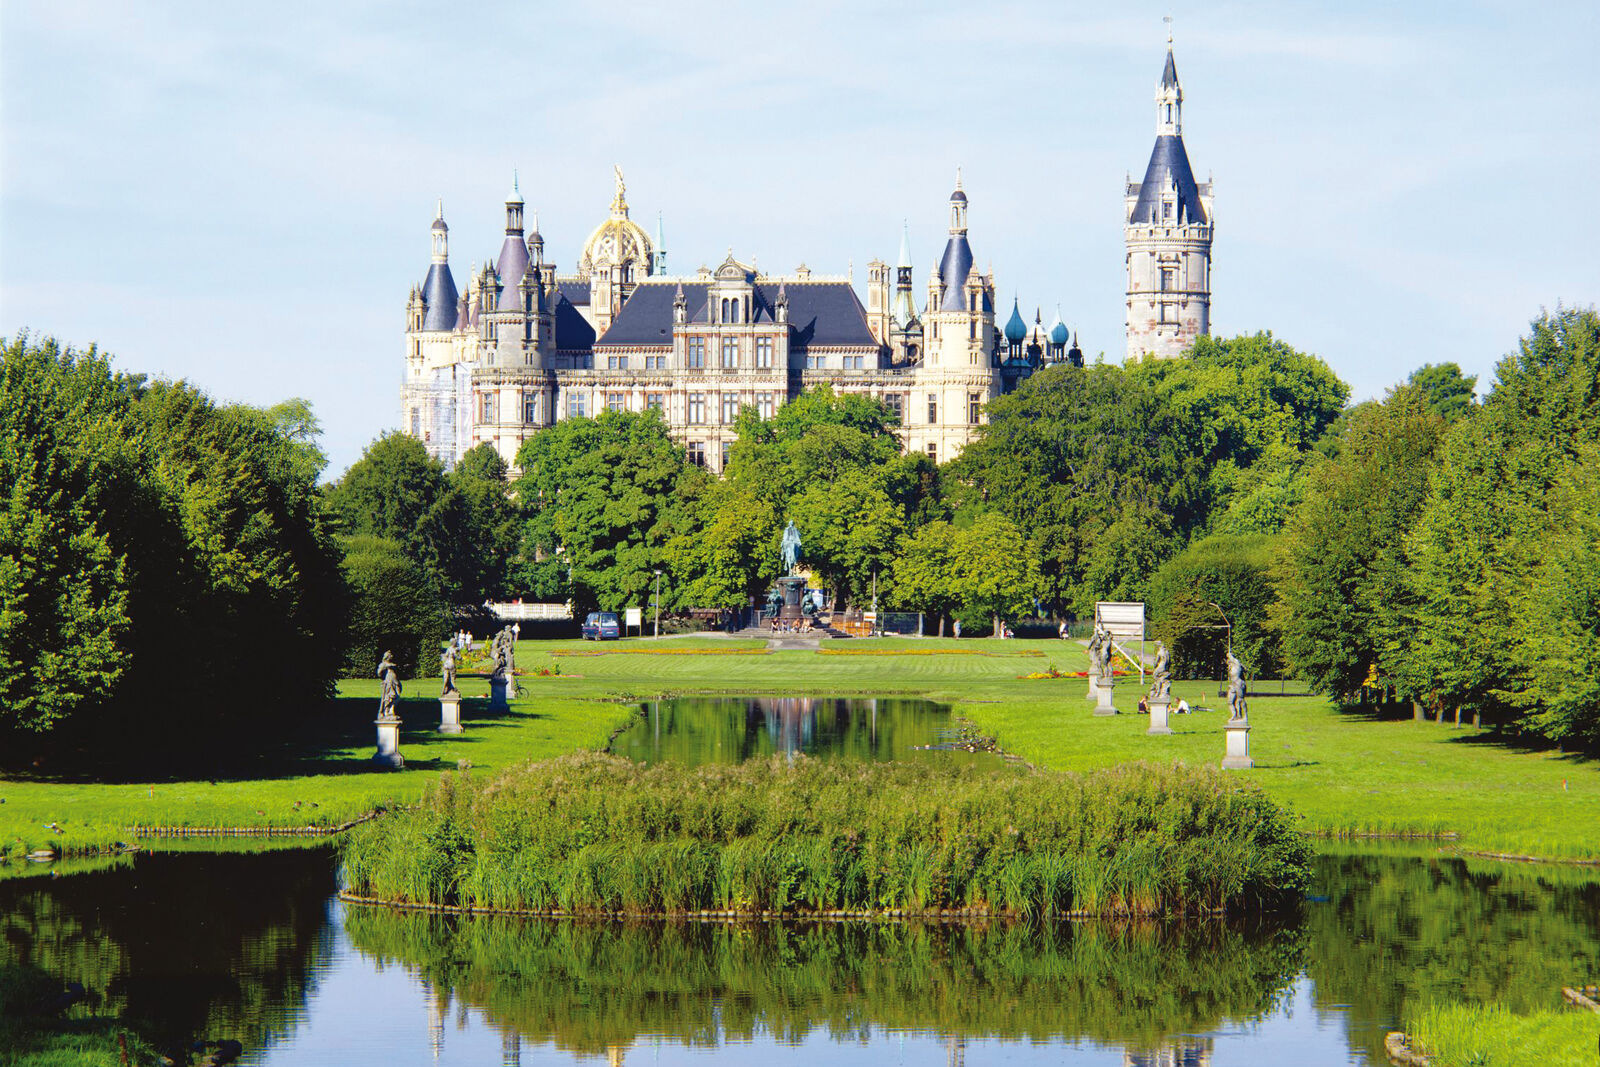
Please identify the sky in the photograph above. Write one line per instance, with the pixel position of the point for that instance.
(239, 195)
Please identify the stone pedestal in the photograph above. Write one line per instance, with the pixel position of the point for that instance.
(1094, 686)
(1237, 756)
(1103, 698)
(388, 754)
(450, 713)
(1158, 717)
(794, 591)
(501, 689)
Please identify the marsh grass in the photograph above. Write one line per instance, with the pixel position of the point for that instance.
(596, 834)
(1457, 1035)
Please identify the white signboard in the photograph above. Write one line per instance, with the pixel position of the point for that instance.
(635, 617)
(1123, 620)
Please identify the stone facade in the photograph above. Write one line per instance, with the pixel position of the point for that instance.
(522, 347)
(1167, 232)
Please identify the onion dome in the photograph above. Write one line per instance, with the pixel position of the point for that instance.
(1058, 329)
(1016, 329)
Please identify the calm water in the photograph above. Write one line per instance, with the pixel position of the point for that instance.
(256, 947)
(696, 730)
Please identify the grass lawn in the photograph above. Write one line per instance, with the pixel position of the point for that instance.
(1339, 772)
(1463, 1036)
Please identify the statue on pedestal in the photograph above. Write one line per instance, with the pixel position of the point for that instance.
(447, 667)
(790, 548)
(1161, 679)
(1237, 709)
(389, 675)
(1100, 654)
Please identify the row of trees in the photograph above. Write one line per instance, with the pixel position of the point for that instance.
(159, 554)
(1450, 554)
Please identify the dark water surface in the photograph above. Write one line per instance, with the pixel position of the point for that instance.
(696, 730)
(256, 947)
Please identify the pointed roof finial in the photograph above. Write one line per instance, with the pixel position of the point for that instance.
(1168, 20)
(619, 202)
(516, 189)
(958, 175)
(905, 244)
(440, 213)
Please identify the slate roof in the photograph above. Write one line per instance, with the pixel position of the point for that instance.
(953, 271)
(511, 266)
(1168, 163)
(825, 314)
(572, 329)
(439, 290)
(575, 290)
(1169, 75)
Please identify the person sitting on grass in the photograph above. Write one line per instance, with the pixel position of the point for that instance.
(1183, 707)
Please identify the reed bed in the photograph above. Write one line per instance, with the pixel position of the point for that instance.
(592, 834)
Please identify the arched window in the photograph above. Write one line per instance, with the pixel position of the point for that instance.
(724, 315)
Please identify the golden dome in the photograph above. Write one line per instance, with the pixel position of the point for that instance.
(617, 240)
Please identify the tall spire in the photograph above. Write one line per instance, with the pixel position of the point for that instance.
(1169, 96)
(514, 208)
(905, 245)
(958, 208)
(441, 236)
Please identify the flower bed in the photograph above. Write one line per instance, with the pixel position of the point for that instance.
(660, 652)
(924, 652)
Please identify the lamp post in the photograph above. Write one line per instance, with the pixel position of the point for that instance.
(658, 604)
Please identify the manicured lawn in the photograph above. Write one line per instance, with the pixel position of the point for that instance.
(1463, 1036)
(1339, 772)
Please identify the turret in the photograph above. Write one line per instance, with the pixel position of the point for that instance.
(438, 293)
(513, 261)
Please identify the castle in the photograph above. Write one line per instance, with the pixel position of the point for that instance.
(523, 345)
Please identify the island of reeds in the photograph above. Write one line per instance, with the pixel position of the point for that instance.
(592, 834)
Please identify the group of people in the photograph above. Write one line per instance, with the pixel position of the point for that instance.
(801, 625)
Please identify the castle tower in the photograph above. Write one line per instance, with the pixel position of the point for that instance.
(959, 330)
(439, 288)
(878, 316)
(1167, 232)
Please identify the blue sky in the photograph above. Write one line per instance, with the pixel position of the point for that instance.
(239, 195)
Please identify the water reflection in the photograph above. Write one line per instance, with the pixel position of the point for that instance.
(182, 947)
(697, 730)
(252, 947)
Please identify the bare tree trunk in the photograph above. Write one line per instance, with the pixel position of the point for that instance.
(1438, 716)
(1458, 714)
(1477, 718)
(1417, 714)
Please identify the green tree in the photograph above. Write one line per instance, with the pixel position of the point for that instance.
(1450, 393)
(981, 573)
(63, 585)
(1494, 536)
(1218, 590)
(601, 499)
(726, 552)
(1342, 608)
(490, 525)
(394, 608)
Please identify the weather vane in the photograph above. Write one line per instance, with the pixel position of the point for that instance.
(1168, 20)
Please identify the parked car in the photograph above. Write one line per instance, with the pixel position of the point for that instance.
(602, 626)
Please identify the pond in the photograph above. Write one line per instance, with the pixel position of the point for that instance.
(257, 948)
(696, 730)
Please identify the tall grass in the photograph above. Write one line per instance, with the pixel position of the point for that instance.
(595, 834)
(1458, 1035)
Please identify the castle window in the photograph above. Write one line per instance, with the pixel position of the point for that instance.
(764, 352)
(1166, 210)
(727, 453)
(1168, 313)
(655, 400)
(697, 408)
(974, 408)
(488, 407)
(723, 308)
(766, 405)
(530, 406)
(416, 423)
(933, 452)
(1169, 279)
(896, 402)
(855, 362)
(933, 408)
(655, 362)
(730, 408)
(697, 453)
(577, 405)
(816, 362)
(616, 402)
(616, 362)
(730, 353)
(697, 351)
